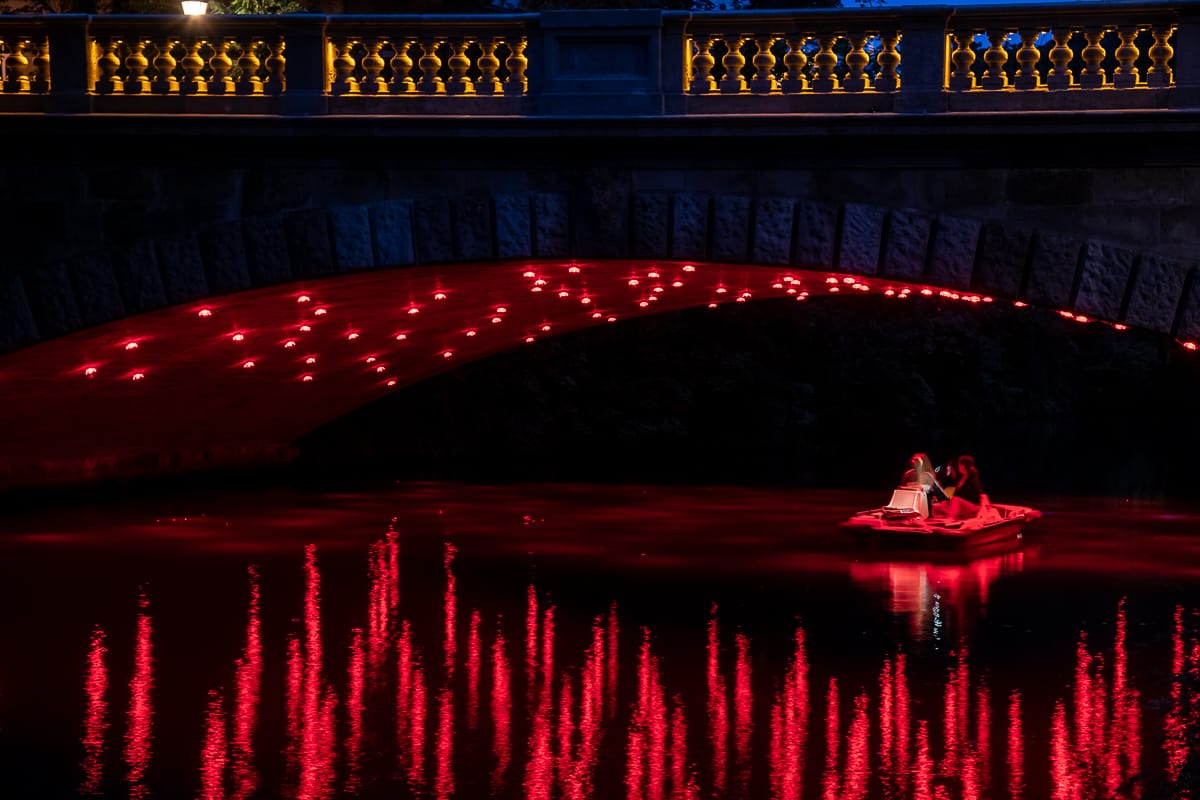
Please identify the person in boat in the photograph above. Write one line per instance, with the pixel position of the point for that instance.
(920, 471)
(967, 494)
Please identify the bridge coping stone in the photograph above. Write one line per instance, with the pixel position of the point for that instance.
(1006, 260)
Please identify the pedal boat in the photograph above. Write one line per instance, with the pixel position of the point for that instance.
(905, 522)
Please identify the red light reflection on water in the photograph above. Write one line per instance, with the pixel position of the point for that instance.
(858, 773)
(923, 769)
(830, 781)
(1016, 747)
(474, 656)
(450, 608)
(531, 643)
(95, 720)
(355, 710)
(141, 712)
(501, 708)
(316, 723)
(214, 755)
(789, 726)
(743, 703)
(248, 688)
(444, 777)
(718, 705)
(295, 721)
(1175, 744)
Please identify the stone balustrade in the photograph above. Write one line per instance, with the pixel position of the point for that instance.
(1076, 56)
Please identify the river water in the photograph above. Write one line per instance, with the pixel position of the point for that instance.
(575, 641)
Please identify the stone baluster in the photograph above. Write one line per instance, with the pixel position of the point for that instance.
(402, 64)
(276, 64)
(136, 64)
(192, 64)
(108, 63)
(856, 79)
(41, 68)
(373, 64)
(1092, 76)
(164, 69)
(962, 77)
(489, 65)
(1060, 75)
(824, 63)
(17, 66)
(430, 65)
(221, 65)
(794, 61)
(248, 63)
(763, 81)
(1126, 75)
(1027, 76)
(516, 83)
(458, 82)
(1159, 75)
(888, 59)
(995, 57)
(702, 66)
(343, 81)
(734, 62)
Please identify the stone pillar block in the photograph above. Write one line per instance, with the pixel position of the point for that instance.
(17, 325)
(861, 238)
(97, 294)
(774, 219)
(551, 225)
(1105, 276)
(1003, 254)
(392, 232)
(224, 256)
(473, 226)
(432, 227)
(513, 225)
(731, 228)
(266, 244)
(350, 230)
(816, 233)
(1156, 294)
(182, 270)
(1052, 269)
(1189, 309)
(651, 225)
(309, 248)
(52, 300)
(953, 251)
(689, 226)
(907, 245)
(136, 268)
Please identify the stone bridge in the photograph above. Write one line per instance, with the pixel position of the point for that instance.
(1034, 155)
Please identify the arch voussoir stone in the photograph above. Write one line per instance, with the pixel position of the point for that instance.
(1156, 293)
(1001, 259)
(350, 235)
(1103, 279)
(953, 249)
(1053, 266)
(651, 225)
(180, 267)
(861, 238)
(310, 251)
(223, 252)
(136, 268)
(266, 243)
(392, 232)
(97, 295)
(689, 226)
(17, 325)
(907, 248)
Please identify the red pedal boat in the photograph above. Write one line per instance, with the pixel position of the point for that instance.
(905, 522)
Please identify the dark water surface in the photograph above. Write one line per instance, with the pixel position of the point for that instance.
(441, 640)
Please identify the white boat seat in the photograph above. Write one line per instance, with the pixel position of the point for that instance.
(907, 500)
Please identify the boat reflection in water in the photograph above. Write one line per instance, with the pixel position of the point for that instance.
(543, 705)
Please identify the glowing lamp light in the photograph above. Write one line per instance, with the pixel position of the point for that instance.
(496, 320)
(320, 312)
(303, 299)
(306, 378)
(986, 299)
(889, 292)
(248, 365)
(596, 315)
(400, 337)
(791, 290)
(90, 372)
(927, 292)
(239, 337)
(536, 289)
(540, 282)
(804, 294)
(747, 295)
(848, 280)
(634, 281)
(501, 310)
(447, 354)
(835, 289)
(528, 340)
(1066, 314)
(652, 275)
(677, 284)
(574, 270)
(653, 298)
(721, 290)
(439, 296)
(776, 285)
(788, 279)
(712, 305)
(414, 310)
(381, 369)
(528, 274)
(688, 268)
(131, 345)
(831, 280)
(310, 360)
(658, 290)
(612, 319)
(1119, 327)
(1081, 318)
(351, 336)
(741, 299)
(289, 344)
(305, 328)
(471, 332)
(585, 301)
(644, 303)
(1020, 304)
(371, 359)
(204, 312)
(1189, 345)
(194, 8)
(137, 376)
(545, 328)
(564, 294)
(392, 382)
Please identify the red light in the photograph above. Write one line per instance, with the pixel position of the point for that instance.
(400, 337)
(414, 310)
(612, 319)
(290, 343)
(528, 339)
(644, 303)
(471, 332)
(634, 281)
(834, 289)
(721, 290)
(1119, 327)
(529, 274)
(788, 279)
(564, 294)
(131, 346)
(501, 309)
(204, 312)
(596, 315)
(1081, 318)
(574, 270)
(351, 336)
(380, 369)
(889, 292)
(677, 284)
(776, 285)
(137, 376)
(496, 319)
(239, 337)
(439, 296)
(305, 328)
(659, 289)
(1017, 303)
(447, 354)
(688, 268)
(303, 299)
(90, 372)
(540, 282)
(651, 274)
(927, 292)
(371, 359)
(1189, 345)
(536, 289)
(545, 327)
(310, 360)
(248, 365)
(585, 301)
(392, 382)
(848, 280)
(1066, 314)
(791, 290)
(712, 305)
(804, 294)
(320, 312)
(306, 378)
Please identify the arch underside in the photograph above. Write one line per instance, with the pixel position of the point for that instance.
(237, 378)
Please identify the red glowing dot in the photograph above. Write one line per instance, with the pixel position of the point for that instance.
(239, 337)
(677, 284)
(1189, 345)
(400, 337)
(290, 343)
(834, 289)
(612, 319)
(528, 339)
(381, 369)
(471, 332)
(1019, 303)
(1081, 318)
(889, 292)
(352, 336)
(1066, 314)
(776, 285)
(634, 281)
(788, 279)
(644, 303)
(306, 378)
(248, 365)
(131, 346)
(943, 293)
(653, 298)
(741, 299)
(987, 299)
(712, 305)
(540, 282)
(320, 312)
(529, 274)
(392, 382)
(1119, 327)
(303, 299)
(585, 301)
(496, 319)
(545, 327)
(414, 310)
(831, 280)
(804, 294)
(564, 294)
(305, 328)
(439, 296)
(310, 360)
(536, 289)
(689, 268)
(596, 315)
(658, 289)
(137, 376)
(90, 372)
(651, 274)
(574, 270)
(927, 292)
(721, 290)
(501, 309)
(848, 280)
(447, 354)
(371, 359)
(204, 312)
(746, 294)
(791, 290)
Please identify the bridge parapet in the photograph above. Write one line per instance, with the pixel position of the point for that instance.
(1067, 56)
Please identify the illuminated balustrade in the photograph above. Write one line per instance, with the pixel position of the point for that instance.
(609, 63)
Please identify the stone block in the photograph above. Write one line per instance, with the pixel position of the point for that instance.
(1003, 254)
(350, 232)
(1189, 311)
(861, 238)
(689, 226)
(52, 300)
(651, 225)
(551, 225)
(136, 268)
(181, 268)
(774, 218)
(816, 231)
(97, 294)
(731, 228)
(513, 225)
(1062, 187)
(266, 244)
(310, 251)
(391, 232)
(432, 229)
(1052, 269)
(1156, 293)
(473, 227)
(953, 251)
(17, 326)
(907, 245)
(224, 256)
(1103, 280)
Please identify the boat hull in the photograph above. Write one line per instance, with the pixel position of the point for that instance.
(877, 528)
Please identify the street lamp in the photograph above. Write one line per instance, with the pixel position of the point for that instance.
(195, 8)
